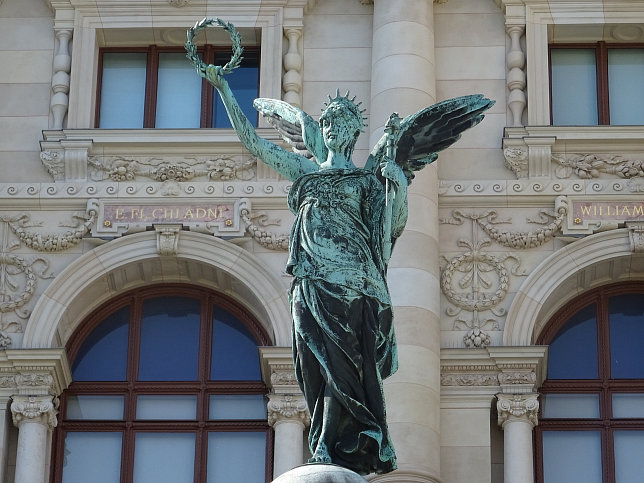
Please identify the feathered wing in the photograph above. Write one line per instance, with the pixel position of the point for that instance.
(295, 126)
(423, 134)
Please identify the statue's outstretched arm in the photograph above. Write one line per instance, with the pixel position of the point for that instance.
(288, 164)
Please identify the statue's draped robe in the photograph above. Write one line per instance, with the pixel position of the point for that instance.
(343, 339)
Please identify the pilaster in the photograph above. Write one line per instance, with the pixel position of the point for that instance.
(287, 411)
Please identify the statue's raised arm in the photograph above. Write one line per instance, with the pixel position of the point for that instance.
(287, 163)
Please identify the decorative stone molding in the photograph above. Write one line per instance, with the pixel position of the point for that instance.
(287, 407)
(35, 409)
(292, 79)
(179, 3)
(516, 160)
(593, 165)
(224, 167)
(78, 228)
(468, 380)
(517, 407)
(636, 236)
(167, 239)
(511, 370)
(60, 79)
(516, 76)
(477, 282)
(519, 239)
(255, 227)
(476, 292)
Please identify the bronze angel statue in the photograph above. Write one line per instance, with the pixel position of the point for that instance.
(346, 221)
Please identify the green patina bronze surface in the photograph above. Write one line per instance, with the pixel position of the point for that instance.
(346, 222)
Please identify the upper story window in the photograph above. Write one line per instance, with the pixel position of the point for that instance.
(157, 87)
(597, 84)
(166, 388)
(591, 426)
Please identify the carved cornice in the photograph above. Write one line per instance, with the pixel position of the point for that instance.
(287, 408)
(34, 372)
(34, 409)
(513, 370)
(517, 407)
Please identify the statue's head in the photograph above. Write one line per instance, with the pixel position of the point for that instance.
(341, 122)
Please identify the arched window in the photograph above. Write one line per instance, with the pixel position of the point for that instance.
(591, 426)
(166, 388)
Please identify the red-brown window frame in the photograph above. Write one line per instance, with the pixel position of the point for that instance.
(604, 386)
(601, 71)
(210, 55)
(131, 388)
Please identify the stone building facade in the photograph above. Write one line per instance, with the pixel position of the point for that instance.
(514, 232)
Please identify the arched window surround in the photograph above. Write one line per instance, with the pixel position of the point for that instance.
(131, 389)
(601, 389)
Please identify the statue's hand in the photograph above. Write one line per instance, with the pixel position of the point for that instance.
(392, 171)
(215, 75)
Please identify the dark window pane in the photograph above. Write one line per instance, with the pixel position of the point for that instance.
(169, 339)
(103, 355)
(573, 352)
(626, 333)
(234, 350)
(244, 83)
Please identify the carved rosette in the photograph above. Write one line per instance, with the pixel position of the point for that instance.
(34, 409)
(517, 408)
(287, 408)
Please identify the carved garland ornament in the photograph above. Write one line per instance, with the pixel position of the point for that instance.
(465, 279)
(589, 166)
(120, 169)
(521, 239)
(53, 242)
(255, 223)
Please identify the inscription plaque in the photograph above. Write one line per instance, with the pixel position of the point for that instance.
(218, 217)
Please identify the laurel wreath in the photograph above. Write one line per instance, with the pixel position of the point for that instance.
(191, 48)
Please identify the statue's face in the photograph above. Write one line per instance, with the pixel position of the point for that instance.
(339, 128)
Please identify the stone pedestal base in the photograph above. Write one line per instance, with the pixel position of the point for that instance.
(320, 473)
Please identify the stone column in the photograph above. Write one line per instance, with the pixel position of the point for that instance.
(5, 424)
(34, 416)
(287, 411)
(403, 81)
(517, 417)
(289, 417)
